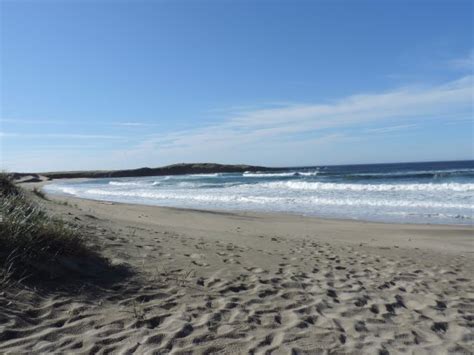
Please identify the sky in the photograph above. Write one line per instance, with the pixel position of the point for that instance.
(125, 84)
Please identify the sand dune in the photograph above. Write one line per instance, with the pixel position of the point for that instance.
(252, 283)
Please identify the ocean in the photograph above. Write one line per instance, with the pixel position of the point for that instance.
(431, 192)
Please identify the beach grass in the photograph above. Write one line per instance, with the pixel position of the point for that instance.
(30, 239)
(39, 193)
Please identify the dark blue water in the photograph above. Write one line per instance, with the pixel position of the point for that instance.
(431, 192)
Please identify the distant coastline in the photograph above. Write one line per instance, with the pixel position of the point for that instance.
(195, 168)
(175, 169)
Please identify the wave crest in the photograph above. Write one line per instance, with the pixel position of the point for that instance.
(327, 186)
(288, 174)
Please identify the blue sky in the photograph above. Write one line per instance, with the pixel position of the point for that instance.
(124, 84)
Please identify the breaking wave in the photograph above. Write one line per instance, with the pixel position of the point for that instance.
(420, 194)
(302, 185)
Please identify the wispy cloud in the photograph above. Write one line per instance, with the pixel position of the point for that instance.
(236, 109)
(390, 129)
(284, 133)
(402, 108)
(466, 63)
(59, 136)
(30, 121)
(136, 124)
(94, 123)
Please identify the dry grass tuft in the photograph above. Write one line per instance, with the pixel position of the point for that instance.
(31, 240)
(39, 193)
(7, 187)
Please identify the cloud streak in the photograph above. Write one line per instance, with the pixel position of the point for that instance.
(402, 108)
(58, 136)
(464, 63)
(390, 129)
(282, 134)
(76, 122)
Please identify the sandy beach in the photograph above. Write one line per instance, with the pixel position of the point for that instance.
(236, 283)
(236, 177)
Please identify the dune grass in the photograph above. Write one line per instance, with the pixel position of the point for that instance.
(29, 237)
(7, 187)
(39, 193)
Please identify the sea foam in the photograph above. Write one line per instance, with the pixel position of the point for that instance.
(302, 185)
(421, 194)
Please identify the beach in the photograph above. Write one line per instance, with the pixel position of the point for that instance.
(237, 177)
(244, 282)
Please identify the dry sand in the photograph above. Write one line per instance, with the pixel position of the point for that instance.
(211, 282)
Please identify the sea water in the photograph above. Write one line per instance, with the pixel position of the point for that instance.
(435, 192)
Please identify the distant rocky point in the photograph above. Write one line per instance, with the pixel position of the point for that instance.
(175, 169)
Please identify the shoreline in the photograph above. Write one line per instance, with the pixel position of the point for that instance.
(237, 283)
(464, 232)
(251, 212)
